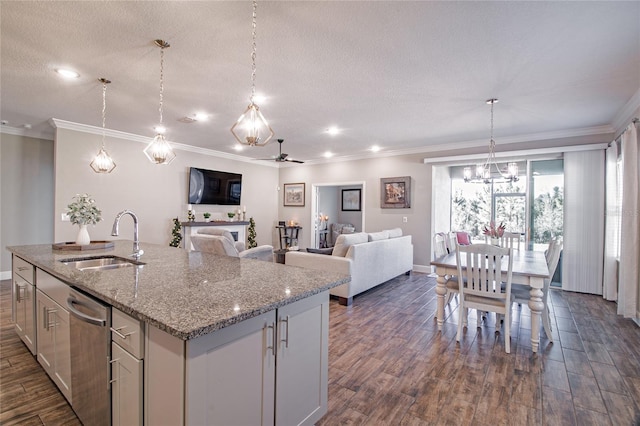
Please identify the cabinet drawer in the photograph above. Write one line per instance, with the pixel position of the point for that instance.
(23, 268)
(127, 332)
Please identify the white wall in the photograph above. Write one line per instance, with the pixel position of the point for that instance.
(156, 193)
(26, 200)
(370, 171)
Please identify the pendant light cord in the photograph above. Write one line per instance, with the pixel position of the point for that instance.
(104, 109)
(253, 53)
(161, 80)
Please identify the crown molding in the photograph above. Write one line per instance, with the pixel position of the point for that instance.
(627, 113)
(85, 128)
(19, 131)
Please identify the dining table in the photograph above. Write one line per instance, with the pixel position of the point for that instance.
(529, 268)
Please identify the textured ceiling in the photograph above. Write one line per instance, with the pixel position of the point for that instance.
(402, 75)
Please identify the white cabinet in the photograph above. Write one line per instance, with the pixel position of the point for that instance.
(269, 369)
(53, 337)
(24, 302)
(126, 370)
(126, 387)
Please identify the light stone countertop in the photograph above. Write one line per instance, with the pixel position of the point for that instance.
(187, 294)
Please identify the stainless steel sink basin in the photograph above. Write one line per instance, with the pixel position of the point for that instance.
(100, 263)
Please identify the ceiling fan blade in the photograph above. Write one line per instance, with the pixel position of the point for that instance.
(293, 161)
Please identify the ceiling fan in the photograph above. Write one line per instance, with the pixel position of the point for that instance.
(282, 157)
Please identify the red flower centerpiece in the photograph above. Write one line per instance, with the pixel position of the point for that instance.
(494, 232)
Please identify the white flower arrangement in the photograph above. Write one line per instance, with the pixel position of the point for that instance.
(83, 210)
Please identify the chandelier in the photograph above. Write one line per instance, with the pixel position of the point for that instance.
(159, 151)
(251, 128)
(103, 163)
(483, 172)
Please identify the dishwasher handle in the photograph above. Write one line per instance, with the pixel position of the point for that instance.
(72, 301)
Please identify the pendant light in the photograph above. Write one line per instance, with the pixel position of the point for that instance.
(251, 128)
(483, 172)
(159, 151)
(103, 163)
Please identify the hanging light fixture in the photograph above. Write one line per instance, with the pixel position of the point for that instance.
(251, 128)
(159, 151)
(483, 172)
(103, 163)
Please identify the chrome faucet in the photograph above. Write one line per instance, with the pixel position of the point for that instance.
(137, 252)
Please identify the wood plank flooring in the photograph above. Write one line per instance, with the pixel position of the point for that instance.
(389, 365)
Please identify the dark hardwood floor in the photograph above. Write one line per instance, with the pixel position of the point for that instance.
(388, 364)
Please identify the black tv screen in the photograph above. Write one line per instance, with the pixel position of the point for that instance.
(214, 187)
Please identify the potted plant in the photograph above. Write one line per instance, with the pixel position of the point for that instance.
(231, 216)
(82, 212)
(206, 215)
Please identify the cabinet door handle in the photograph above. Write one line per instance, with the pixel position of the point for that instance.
(286, 333)
(20, 289)
(45, 323)
(116, 361)
(273, 338)
(120, 335)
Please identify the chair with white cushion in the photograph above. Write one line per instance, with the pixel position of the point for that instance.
(224, 245)
(521, 292)
(483, 287)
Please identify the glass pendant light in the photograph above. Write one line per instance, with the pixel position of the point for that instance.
(251, 128)
(159, 151)
(483, 171)
(103, 163)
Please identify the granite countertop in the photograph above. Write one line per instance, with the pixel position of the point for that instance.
(187, 294)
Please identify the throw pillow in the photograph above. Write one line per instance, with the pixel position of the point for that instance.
(463, 238)
(345, 241)
(395, 232)
(377, 236)
(320, 251)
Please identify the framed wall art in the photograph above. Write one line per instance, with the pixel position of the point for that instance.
(395, 193)
(351, 200)
(294, 194)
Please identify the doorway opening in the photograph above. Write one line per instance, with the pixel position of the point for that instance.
(334, 204)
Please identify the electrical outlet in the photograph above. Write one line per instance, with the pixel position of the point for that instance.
(404, 219)
(65, 217)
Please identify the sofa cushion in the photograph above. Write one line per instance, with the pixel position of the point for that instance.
(377, 236)
(345, 241)
(395, 232)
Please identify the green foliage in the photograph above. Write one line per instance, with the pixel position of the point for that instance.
(83, 210)
(252, 233)
(176, 235)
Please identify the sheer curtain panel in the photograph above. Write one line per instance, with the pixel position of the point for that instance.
(612, 226)
(630, 242)
(584, 206)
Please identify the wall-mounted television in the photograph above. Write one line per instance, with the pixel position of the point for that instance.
(214, 187)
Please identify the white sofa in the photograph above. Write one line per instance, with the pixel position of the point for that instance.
(370, 259)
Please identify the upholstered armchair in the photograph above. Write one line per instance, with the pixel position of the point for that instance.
(220, 241)
(338, 229)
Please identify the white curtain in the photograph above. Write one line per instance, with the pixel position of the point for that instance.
(583, 242)
(612, 225)
(630, 227)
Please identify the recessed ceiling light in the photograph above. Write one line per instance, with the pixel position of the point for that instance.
(66, 73)
(333, 130)
(375, 148)
(328, 154)
(160, 129)
(201, 116)
(238, 147)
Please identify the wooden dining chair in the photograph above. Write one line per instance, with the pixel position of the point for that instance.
(508, 240)
(480, 266)
(521, 292)
(452, 241)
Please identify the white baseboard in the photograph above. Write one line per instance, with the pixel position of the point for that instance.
(5, 275)
(422, 268)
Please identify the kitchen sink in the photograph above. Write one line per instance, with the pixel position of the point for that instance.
(100, 263)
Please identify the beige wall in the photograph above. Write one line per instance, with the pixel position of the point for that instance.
(156, 193)
(369, 171)
(26, 194)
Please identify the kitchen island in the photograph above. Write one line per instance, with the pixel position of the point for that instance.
(222, 340)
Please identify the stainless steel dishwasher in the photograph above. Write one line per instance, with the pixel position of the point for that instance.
(90, 321)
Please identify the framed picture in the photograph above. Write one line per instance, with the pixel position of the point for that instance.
(395, 193)
(351, 199)
(294, 194)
